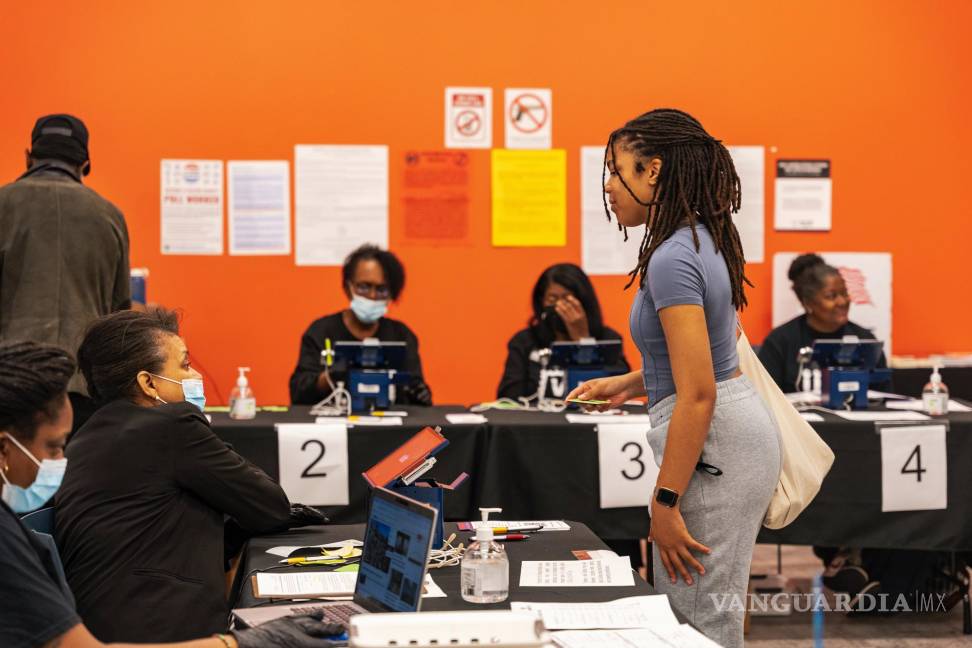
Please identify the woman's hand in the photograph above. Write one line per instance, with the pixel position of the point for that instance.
(675, 544)
(571, 311)
(616, 390)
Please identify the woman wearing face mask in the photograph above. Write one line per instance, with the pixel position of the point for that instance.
(565, 308)
(140, 515)
(36, 605)
(371, 278)
(823, 294)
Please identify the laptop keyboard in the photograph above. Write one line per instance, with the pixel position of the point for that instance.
(339, 613)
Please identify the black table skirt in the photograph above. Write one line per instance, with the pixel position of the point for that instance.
(551, 545)
(537, 466)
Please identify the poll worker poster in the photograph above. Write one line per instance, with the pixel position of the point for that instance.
(435, 196)
(469, 118)
(529, 198)
(528, 118)
(603, 248)
(803, 195)
(868, 279)
(258, 206)
(192, 206)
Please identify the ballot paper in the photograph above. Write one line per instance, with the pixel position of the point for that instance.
(548, 525)
(285, 551)
(631, 612)
(594, 419)
(306, 584)
(466, 419)
(679, 636)
(612, 572)
(917, 406)
(879, 416)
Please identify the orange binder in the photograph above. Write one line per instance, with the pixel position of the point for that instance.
(406, 458)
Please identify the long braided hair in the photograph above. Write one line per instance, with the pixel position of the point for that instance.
(33, 380)
(697, 184)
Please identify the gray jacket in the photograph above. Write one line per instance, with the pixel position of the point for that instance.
(63, 259)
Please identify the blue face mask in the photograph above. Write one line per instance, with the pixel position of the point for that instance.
(192, 390)
(50, 472)
(367, 310)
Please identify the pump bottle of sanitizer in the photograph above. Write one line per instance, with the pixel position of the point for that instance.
(934, 396)
(242, 402)
(485, 571)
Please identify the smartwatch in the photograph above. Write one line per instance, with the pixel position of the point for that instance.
(666, 497)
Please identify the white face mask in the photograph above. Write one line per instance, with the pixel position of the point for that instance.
(50, 473)
(367, 310)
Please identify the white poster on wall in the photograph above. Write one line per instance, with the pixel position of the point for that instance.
(469, 118)
(868, 279)
(603, 248)
(258, 207)
(341, 200)
(528, 118)
(192, 206)
(803, 195)
(750, 219)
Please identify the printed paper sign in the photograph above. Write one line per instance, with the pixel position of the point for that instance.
(314, 463)
(469, 117)
(626, 463)
(435, 196)
(749, 163)
(603, 248)
(259, 206)
(803, 195)
(192, 207)
(914, 468)
(528, 117)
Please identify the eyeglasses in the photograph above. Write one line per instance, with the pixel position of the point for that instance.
(367, 289)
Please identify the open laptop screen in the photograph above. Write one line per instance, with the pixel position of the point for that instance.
(396, 549)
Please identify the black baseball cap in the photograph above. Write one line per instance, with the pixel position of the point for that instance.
(61, 136)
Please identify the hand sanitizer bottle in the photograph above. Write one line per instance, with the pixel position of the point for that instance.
(242, 403)
(935, 395)
(485, 575)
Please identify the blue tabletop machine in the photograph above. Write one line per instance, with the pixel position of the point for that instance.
(848, 368)
(374, 370)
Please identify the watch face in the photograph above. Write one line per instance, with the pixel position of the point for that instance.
(667, 497)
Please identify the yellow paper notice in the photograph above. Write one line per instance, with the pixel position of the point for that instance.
(529, 198)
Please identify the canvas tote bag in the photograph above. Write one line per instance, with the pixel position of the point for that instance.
(806, 458)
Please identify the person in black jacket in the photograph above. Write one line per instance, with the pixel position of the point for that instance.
(565, 308)
(140, 514)
(824, 296)
(371, 279)
(37, 607)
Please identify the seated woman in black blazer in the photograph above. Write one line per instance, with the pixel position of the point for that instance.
(565, 308)
(371, 278)
(140, 513)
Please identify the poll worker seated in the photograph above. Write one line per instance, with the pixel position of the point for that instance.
(371, 278)
(826, 302)
(36, 605)
(140, 515)
(565, 308)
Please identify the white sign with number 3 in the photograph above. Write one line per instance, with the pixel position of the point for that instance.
(914, 468)
(313, 462)
(627, 465)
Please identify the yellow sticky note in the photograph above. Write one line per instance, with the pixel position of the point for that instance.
(529, 198)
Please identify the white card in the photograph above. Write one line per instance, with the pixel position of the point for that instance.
(463, 418)
(627, 465)
(576, 573)
(914, 468)
(313, 460)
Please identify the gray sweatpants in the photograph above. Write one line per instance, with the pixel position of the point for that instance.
(723, 512)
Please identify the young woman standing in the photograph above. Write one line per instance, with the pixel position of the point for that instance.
(715, 441)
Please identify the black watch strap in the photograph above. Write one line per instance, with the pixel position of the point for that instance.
(666, 497)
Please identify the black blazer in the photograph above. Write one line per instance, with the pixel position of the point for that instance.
(139, 521)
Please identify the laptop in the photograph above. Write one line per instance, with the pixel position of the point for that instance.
(394, 562)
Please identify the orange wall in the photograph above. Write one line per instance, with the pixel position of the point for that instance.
(881, 88)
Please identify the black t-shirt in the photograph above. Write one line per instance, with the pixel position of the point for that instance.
(781, 347)
(35, 606)
(303, 382)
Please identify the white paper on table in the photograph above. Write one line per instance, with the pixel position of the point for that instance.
(631, 612)
(576, 573)
(918, 406)
(812, 417)
(258, 207)
(914, 468)
(192, 206)
(548, 525)
(750, 163)
(880, 395)
(879, 416)
(361, 420)
(313, 461)
(627, 469)
(341, 196)
(595, 419)
(603, 248)
(432, 589)
(285, 551)
(466, 419)
(679, 636)
(306, 583)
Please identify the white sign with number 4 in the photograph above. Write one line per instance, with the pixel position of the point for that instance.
(914, 468)
(313, 462)
(627, 465)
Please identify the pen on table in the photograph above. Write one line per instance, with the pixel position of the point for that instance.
(512, 536)
(300, 560)
(517, 529)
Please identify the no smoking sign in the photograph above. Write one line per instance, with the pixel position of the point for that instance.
(528, 118)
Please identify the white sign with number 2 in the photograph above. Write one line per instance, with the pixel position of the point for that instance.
(914, 468)
(313, 462)
(627, 465)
